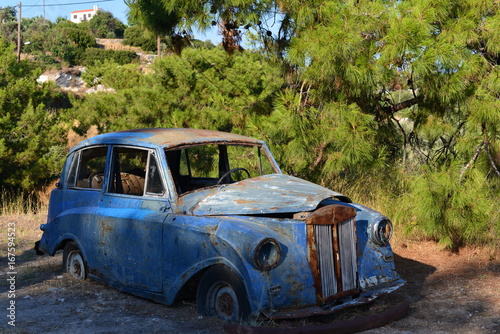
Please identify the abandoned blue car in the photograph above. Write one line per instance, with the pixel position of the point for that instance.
(163, 213)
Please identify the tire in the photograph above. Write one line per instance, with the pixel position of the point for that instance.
(221, 293)
(73, 262)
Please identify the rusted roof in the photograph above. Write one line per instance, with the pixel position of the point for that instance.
(167, 137)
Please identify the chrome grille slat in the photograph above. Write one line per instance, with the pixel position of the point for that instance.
(347, 254)
(324, 242)
(343, 239)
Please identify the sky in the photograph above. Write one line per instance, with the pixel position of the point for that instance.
(52, 9)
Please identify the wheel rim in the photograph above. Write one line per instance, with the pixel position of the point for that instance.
(223, 302)
(76, 267)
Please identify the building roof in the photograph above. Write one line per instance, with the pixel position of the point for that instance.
(83, 10)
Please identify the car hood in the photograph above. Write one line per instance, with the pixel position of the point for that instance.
(275, 193)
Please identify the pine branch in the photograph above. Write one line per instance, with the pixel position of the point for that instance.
(389, 111)
(300, 96)
(321, 148)
(492, 162)
(405, 138)
(394, 108)
(472, 160)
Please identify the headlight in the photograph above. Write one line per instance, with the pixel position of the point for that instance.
(267, 254)
(381, 231)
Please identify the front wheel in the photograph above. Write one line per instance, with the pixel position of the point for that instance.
(73, 261)
(222, 293)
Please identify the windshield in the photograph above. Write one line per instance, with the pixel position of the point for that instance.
(207, 165)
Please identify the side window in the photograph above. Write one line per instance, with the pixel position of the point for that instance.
(135, 172)
(87, 169)
(154, 184)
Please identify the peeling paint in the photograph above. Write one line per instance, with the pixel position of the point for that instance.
(299, 249)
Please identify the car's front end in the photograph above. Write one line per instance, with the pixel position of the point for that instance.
(301, 249)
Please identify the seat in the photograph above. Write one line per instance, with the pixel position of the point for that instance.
(132, 184)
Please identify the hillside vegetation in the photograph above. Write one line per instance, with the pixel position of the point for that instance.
(395, 104)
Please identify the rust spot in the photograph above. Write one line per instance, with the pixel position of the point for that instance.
(331, 214)
(106, 228)
(301, 215)
(313, 259)
(244, 201)
(328, 215)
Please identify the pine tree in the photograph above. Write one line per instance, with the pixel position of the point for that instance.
(155, 17)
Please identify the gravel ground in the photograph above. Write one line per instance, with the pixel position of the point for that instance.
(448, 292)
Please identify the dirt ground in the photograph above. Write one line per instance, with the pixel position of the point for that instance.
(449, 293)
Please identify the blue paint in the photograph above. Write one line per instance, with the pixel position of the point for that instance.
(152, 245)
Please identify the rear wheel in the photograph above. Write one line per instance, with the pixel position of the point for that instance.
(73, 262)
(222, 293)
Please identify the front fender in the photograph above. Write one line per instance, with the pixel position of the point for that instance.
(290, 282)
(198, 242)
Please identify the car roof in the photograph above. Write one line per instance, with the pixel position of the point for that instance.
(166, 137)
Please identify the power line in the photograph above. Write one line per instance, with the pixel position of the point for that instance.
(70, 4)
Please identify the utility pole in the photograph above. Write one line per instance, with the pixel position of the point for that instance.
(19, 33)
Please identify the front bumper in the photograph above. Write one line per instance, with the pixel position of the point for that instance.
(364, 297)
(343, 327)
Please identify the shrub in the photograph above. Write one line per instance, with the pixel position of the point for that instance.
(136, 36)
(113, 75)
(93, 56)
(453, 211)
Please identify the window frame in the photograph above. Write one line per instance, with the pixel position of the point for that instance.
(76, 165)
(176, 177)
(151, 152)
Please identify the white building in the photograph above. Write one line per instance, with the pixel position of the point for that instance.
(83, 15)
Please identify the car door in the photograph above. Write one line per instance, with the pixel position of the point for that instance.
(133, 210)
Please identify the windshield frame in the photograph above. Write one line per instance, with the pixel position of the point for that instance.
(188, 183)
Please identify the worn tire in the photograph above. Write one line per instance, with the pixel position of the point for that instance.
(221, 293)
(73, 262)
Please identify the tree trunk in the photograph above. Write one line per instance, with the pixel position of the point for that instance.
(158, 43)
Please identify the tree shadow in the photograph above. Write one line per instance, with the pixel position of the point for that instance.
(28, 268)
(414, 273)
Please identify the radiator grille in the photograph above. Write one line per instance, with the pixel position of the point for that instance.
(326, 260)
(336, 256)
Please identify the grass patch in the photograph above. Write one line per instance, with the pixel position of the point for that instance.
(18, 203)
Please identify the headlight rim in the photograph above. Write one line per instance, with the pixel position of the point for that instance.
(257, 252)
(376, 232)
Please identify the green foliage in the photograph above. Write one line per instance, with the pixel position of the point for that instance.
(136, 36)
(104, 25)
(197, 44)
(395, 103)
(8, 13)
(203, 89)
(112, 74)
(94, 55)
(455, 213)
(65, 41)
(228, 14)
(61, 46)
(80, 37)
(154, 17)
(33, 144)
(36, 32)
(8, 23)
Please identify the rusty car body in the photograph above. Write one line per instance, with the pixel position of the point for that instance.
(161, 212)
